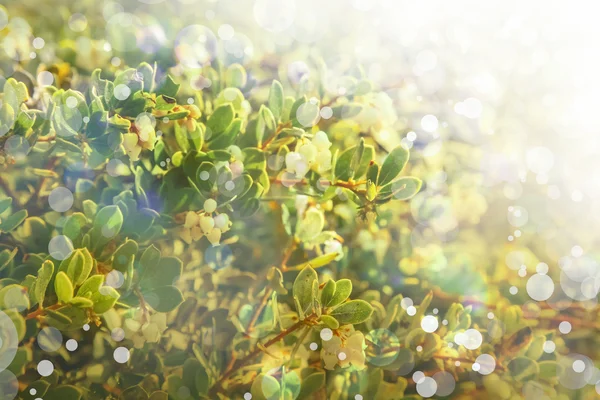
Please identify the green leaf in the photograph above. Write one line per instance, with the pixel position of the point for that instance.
(104, 299)
(346, 163)
(123, 255)
(220, 119)
(73, 225)
(43, 280)
(7, 118)
(311, 384)
(316, 262)
(400, 189)
(163, 299)
(59, 317)
(304, 289)
(168, 87)
(523, 369)
(81, 302)
(134, 393)
(549, 369)
(11, 222)
(41, 388)
(6, 256)
(254, 159)
(77, 266)
(330, 322)
(19, 323)
(15, 93)
(227, 138)
(236, 76)
(23, 356)
(14, 296)
(393, 165)
(90, 208)
(159, 395)
(265, 387)
(276, 99)
(5, 203)
(167, 272)
(149, 261)
(91, 286)
(25, 120)
(343, 289)
(63, 287)
(327, 292)
(64, 392)
(268, 122)
(108, 221)
(373, 172)
(352, 312)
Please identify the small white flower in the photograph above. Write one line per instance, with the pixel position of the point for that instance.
(321, 141)
(344, 352)
(301, 203)
(236, 152)
(334, 246)
(222, 222)
(207, 224)
(237, 168)
(308, 152)
(210, 205)
(214, 236)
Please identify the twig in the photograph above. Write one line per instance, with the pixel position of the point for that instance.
(40, 311)
(257, 312)
(9, 192)
(217, 387)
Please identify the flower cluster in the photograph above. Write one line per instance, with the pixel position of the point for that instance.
(345, 348)
(202, 223)
(142, 328)
(310, 154)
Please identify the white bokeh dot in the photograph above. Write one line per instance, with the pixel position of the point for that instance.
(326, 334)
(540, 287)
(427, 387)
(121, 355)
(549, 346)
(429, 323)
(71, 345)
(45, 368)
(60, 247)
(61, 199)
(564, 327)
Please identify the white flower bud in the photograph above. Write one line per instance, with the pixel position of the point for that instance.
(301, 203)
(236, 167)
(236, 152)
(222, 222)
(323, 161)
(207, 223)
(311, 225)
(302, 168)
(291, 159)
(214, 236)
(210, 205)
(321, 141)
(191, 219)
(196, 233)
(308, 152)
(334, 246)
(151, 332)
(186, 235)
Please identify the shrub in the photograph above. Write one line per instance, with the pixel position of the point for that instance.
(190, 233)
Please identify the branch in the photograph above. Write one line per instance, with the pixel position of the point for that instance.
(219, 385)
